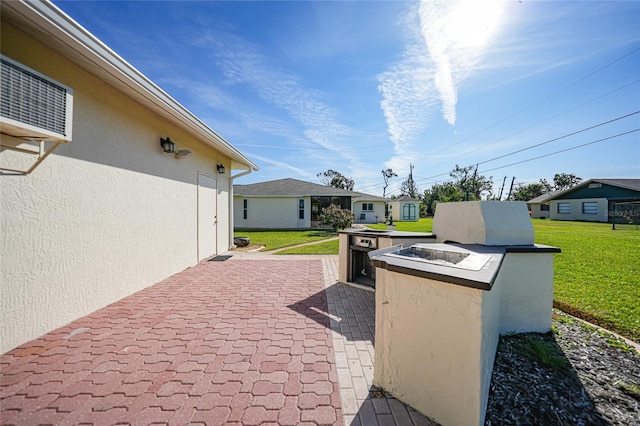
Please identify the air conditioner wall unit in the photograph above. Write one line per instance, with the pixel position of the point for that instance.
(33, 106)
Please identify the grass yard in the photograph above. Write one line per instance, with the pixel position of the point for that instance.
(597, 275)
(327, 247)
(423, 225)
(277, 239)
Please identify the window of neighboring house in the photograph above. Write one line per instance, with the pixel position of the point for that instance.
(367, 207)
(564, 208)
(301, 208)
(544, 207)
(245, 208)
(590, 207)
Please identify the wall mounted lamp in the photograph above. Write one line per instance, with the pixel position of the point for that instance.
(167, 145)
(220, 168)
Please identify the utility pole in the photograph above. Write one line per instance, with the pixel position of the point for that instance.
(502, 188)
(511, 187)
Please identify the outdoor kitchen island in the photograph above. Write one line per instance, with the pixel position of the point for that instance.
(441, 306)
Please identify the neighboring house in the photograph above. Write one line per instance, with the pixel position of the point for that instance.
(540, 207)
(594, 199)
(107, 212)
(404, 209)
(295, 204)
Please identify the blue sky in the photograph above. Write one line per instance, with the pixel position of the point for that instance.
(301, 87)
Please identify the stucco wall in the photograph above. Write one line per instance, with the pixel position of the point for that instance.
(527, 295)
(538, 213)
(575, 210)
(375, 216)
(271, 212)
(483, 222)
(105, 215)
(435, 345)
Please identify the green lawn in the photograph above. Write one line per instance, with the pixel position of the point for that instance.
(597, 275)
(327, 247)
(423, 225)
(277, 239)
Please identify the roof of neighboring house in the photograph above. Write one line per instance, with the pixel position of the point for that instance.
(297, 188)
(46, 22)
(633, 184)
(404, 199)
(543, 198)
(629, 184)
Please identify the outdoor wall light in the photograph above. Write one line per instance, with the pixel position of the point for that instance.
(167, 145)
(220, 168)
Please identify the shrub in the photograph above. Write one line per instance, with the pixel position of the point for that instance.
(336, 217)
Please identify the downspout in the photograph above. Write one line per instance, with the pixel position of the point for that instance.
(231, 224)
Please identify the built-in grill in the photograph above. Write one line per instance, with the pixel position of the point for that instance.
(361, 269)
(355, 244)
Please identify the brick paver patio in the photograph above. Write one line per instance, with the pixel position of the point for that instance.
(252, 340)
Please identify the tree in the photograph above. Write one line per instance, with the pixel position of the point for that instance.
(441, 193)
(387, 174)
(336, 179)
(564, 181)
(528, 192)
(336, 217)
(561, 181)
(467, 179)
(409, 187)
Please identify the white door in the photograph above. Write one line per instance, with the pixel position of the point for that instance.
(207, 216)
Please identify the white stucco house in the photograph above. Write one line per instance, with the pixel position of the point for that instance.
(295, 204)
(92, 207)
(404, 209)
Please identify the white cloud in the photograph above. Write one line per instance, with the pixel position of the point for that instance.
(444, 45)
(242, 63)
(282, 164)
(455, 34)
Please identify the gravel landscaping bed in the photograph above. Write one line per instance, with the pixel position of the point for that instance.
(577, 375)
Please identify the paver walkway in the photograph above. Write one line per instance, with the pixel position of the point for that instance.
(252, 340)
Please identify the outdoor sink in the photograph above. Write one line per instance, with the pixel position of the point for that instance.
(452, 257)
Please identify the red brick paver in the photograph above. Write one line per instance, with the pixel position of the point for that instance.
(235, 342)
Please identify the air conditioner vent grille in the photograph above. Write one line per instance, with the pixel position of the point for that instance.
(30, 99)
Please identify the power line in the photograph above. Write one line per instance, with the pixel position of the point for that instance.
(543, 143)
(561, 137)
(562, 150)
(551, 117)
(539, 101)
(540, 156)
